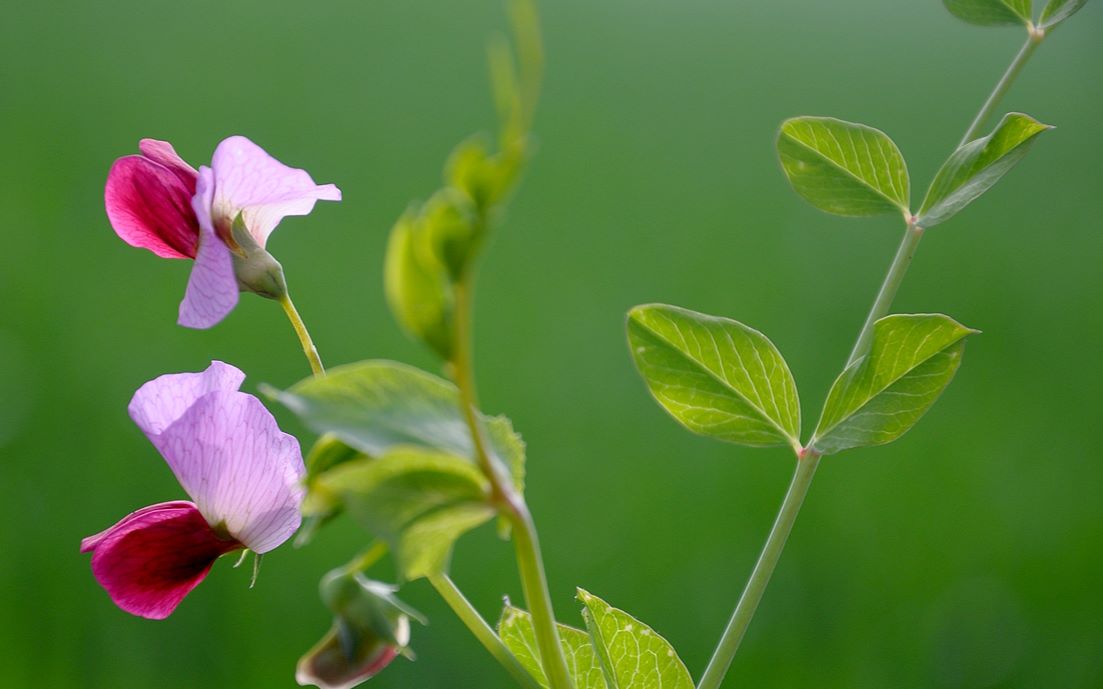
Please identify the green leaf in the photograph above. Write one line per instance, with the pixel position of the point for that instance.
(843, 168)
(882, 395)
(991, 12)
(417, 286)
(1057, 11)
(715, 376)
(374, 406)
(972, 169)
(418, 500)
(632, 655)
(516, 631)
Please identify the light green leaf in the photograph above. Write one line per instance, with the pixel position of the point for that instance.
(715, 376)
(1057, 11)
(376, 405)
(632, 655)
(420, 501)
(516, 631)
(972, 169)
(991, 12)
(417, 287)
(882, 395)
(843, 168)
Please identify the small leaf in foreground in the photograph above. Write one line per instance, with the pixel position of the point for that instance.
(843, 168)
(420, 501)
(632, 655)
(882, 395)
(991, 12)
(376, 405)
(516, 630)
(715, 376)
(975, 167)
(1057, 11)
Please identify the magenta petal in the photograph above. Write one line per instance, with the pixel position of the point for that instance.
(243, 473)
(160, 402)
(212, 290)
(151, 559)
(261, 188)
(163, 153)
(149, 206)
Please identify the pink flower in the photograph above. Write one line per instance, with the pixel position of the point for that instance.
(231, 458)
(157, 201)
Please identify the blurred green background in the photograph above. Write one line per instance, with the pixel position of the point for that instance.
(965, 555)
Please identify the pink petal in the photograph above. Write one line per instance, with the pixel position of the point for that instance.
(212, 290)
(160, 402)
(264, 190)
(243, 472)
(163, 153)
(151, 559)
(149, 206)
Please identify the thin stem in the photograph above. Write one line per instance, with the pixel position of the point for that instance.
(530, 564)
(1033, 40)
(883, 302)
(368, 557)
(763, 569)
(482, 631)
(304, 336)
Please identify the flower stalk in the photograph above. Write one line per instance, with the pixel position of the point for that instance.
(303, 334)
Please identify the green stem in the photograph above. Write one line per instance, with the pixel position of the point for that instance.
(883, 302)
(304, 336)
(1033, 40)
(763, 569)
(530, 565)
(374, 553)
(482, 631)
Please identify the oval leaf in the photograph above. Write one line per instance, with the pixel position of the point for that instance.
(843, 168)
(517, 633)
(1057, 11)
(882, 395)
(376, 405)
(419, 501)
(715, 376)
(632, 655)
(972, 169)
(991, 12)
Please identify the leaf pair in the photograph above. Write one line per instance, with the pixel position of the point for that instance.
(616, 651)
(1001, 12)
(407, 472)
(722, 379)
(854, 170)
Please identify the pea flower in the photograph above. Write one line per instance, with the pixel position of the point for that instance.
(220, 216)
(231, 458)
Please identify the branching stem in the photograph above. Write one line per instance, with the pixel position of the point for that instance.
(481, 630)
(530, 564)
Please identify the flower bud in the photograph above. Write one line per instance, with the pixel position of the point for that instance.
(371, 627)
(257, 271)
